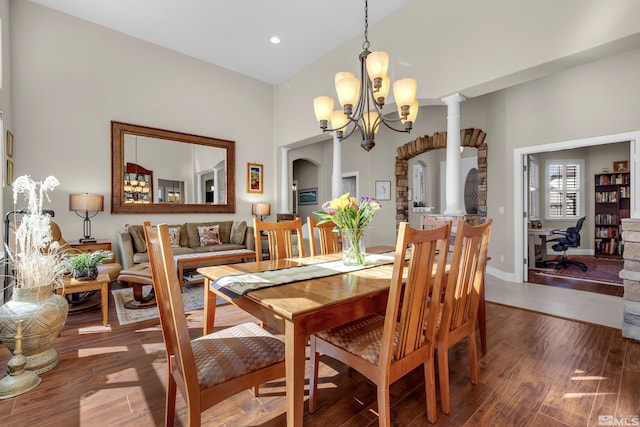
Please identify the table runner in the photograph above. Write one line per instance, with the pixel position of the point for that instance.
(236, 285)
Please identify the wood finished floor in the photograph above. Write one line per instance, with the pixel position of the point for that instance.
(539, 371)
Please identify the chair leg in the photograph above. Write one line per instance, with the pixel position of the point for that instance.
(384, 405)
(473, 356)
(430, 390)
(443, 372)
(170, 408)
(314, 360)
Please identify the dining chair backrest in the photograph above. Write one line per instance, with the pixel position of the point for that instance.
(409, 300)
(283, 238)
(427, 222)
(323, 239)
(462, 299)
(170, 308)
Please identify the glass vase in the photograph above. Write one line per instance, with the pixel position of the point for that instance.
(353, 250)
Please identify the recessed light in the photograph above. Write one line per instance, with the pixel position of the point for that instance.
(275, 39)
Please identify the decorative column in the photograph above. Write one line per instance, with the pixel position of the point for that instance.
(453, 188)
(631, 278)
(285, 185)
(336, 176)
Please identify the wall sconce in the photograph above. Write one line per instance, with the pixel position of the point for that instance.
(261, 210)
(82, 204)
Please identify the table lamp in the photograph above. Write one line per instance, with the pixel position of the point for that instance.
(261, 210)
(82, 205)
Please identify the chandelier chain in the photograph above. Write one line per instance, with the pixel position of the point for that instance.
(366, 44)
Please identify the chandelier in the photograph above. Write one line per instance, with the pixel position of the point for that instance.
(362, 100)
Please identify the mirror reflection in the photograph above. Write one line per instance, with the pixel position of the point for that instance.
(155, 170)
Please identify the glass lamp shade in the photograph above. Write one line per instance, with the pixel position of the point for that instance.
(86, 202)
(323, 107)
(370, 122)
(413, 112)
(343, 75)
(339, 119)
(404, 91)
(348, 89)
(377, 64)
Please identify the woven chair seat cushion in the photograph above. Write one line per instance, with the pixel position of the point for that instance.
(362, 337)
(233, 352)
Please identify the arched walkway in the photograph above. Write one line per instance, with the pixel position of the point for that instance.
(469, 137)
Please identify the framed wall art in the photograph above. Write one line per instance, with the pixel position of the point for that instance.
(9, 146)
(9, 171)
(620, 166)
(308, 196)
(383, 190)
(255, 180)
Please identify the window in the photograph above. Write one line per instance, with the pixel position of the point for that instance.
(533, 170)
(564, 180)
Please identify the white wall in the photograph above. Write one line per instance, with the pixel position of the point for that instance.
(73, 78)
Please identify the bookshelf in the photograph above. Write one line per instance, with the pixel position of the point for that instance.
(612, 203)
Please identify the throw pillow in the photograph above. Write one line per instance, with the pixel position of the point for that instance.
(137, 236)
(238, 231)
(174, 236)
(209, 235)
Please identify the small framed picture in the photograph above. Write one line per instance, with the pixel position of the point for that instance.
(255, 182)
(621, 166)
(383, 190)
(9, 146)
(9, 171)
(308, 196)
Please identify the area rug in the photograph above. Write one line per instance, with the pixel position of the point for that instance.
(192, 297)
(599, 270)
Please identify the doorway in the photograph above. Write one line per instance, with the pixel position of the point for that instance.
(521, 187)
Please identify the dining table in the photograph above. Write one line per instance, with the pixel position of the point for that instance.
(303, 307)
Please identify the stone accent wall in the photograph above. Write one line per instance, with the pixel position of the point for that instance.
(469, 137)
(631, 278)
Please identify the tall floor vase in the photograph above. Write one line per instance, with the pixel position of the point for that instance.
(43, 314)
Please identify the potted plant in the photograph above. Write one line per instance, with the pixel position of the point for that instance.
(84, 266)
(37, 266)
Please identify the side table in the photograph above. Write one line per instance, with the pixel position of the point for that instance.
(101, 283)
(98, 245)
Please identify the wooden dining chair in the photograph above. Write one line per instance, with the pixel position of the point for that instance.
(461, 301)
(283, 238)
(327, 239)
(430, 222)
(385, 347)
(211, 368)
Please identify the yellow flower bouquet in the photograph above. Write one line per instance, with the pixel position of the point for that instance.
(351, 217)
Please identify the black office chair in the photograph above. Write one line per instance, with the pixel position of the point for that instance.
(570, 239)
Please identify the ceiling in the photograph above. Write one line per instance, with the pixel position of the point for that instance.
(235, 34)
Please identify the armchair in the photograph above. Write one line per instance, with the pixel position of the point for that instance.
(570, 239)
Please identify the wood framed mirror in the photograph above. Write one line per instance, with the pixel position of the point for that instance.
(162, 171)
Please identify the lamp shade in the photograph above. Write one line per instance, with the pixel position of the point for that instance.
(348, 89)
(404, 91)
(261, 209)
(339, 119)
(86, 202)
(377, 64)
(323, 107)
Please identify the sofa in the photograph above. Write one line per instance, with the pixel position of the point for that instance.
(187, 238)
